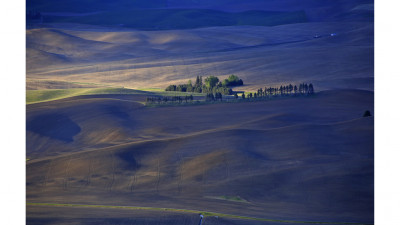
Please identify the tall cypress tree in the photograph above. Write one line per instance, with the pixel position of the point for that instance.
(310, 89)
(290, 88)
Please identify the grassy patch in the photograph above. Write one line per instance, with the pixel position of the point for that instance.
(232, 198)
(151, 89)
(229, 198)
(35, 96)
(204, 213)
(94, 84)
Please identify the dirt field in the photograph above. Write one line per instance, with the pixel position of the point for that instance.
(101, 158)
(302, 159)
(261, 56)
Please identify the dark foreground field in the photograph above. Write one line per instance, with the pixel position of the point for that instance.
(297, 159)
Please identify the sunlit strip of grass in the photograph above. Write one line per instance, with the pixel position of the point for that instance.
(36, 96)
(204, 213)
(150, 89)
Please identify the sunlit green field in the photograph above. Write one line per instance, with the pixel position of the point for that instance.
(35, 96)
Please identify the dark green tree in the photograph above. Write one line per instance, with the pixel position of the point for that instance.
(232, 80)
(181, 88)
(218, 95)
(210, 97)
(171, 88)
(310, 89)
(211, 81)
(197, 89)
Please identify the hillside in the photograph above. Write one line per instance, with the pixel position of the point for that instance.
(282, 162)
(166, 19)
(96, 154)
(328, 10)
(262, 56)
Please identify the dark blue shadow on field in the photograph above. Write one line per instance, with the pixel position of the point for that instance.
(129, 158)
(54, 125)
(117, 112)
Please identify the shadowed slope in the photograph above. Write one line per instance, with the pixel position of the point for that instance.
(167, 19)
(270, 173)
(44, 125)
(166, 122)
(316, 10)
(296, 158)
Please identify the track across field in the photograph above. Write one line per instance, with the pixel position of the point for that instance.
(190, 211)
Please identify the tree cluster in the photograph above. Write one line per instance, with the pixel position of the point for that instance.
(232, 81)
(211, 85)
(214, 93)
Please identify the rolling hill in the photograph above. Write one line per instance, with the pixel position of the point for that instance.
(97, 155)
(284, 161)
(262, 56)
(328, 10)
(166, 19)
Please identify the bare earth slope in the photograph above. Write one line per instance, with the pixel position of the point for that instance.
(303, 159)
(260, 55)
(101, 158)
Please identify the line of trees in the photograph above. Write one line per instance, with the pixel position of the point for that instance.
(166, 99)
(302, 89)
(211, 97)
(211, 85)
(286, 90)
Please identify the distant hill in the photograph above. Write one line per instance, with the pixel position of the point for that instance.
(161, 19)
(305, 159)
(315, 10)
(85, 6)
